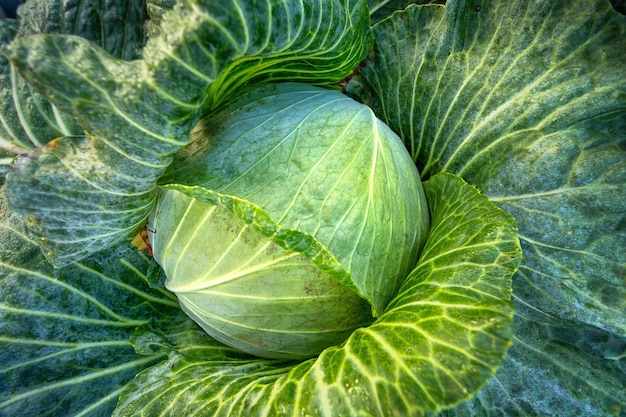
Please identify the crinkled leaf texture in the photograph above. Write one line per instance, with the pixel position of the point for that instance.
(66, 336)
(380, 9)
(84, 194)
(156, 10)
(527, 101)
(27, 118)
(439, 340)
(72, 339)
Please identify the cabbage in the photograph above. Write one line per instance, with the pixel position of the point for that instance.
(298, 216)
(117, 121)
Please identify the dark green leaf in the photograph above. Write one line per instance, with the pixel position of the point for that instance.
(619, 5)
(380, 9)
(527, 101)
(138, 114)
(115, 25)
(555, 368)
(28, 119)
(65, 335)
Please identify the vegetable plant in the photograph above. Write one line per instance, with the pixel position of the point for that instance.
(346, 208)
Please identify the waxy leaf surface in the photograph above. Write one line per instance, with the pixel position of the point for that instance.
(527, 101)
(439, 340)
(136, 115)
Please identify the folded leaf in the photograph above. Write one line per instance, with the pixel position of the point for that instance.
(137, 114)
(261, 288)
(28, 119)
(439, 340)
(527, 101)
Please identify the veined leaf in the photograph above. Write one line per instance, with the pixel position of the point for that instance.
(527, 101)
(439, 340)
(138, 114)
(10, 144)
(555, 367)
(267, 290)
(28, 119)
(65, 337)
(115, 25)
(156, 10)
(380, 9)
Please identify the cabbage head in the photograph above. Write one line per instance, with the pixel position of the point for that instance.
(290, 219)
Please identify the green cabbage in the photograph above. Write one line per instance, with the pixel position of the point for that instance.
(306, 214)
(513, 111)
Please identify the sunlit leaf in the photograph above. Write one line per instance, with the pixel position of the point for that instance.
(527, 101)
(137, 114)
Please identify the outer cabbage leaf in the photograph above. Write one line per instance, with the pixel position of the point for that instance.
(527, 101)
(66, 338)
(115, 25)
(9, 144)
(555, 367)
(440, 339)
(85, 194)
(380, 9)
(261, 288)
(28, 119)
